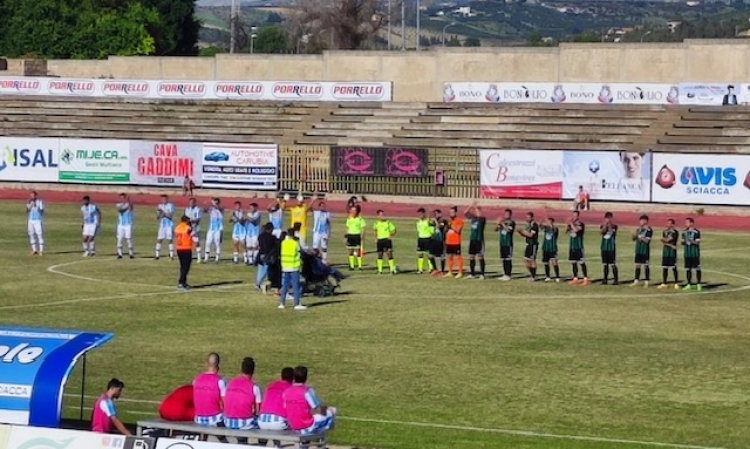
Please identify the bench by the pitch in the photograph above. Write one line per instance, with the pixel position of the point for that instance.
(318, 439)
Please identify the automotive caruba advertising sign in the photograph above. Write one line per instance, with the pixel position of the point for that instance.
(521, 174)
(701, 179)
(165, 163)
(34, 366)
(240, 166)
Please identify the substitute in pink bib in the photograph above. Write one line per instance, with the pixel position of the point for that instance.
(243, 398)
(209, 390)
(272, 412)
(104, 415)
(304, 411)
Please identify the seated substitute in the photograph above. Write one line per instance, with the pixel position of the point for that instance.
(305, 413)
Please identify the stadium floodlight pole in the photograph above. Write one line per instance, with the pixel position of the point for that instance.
(403, 25)
(418, 23)
(442, 39)
(389, 25)
(234, 18)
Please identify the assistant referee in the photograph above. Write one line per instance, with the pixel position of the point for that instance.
(183, 234)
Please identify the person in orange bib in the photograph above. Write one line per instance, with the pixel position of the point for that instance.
(183, 235)
(453, 243)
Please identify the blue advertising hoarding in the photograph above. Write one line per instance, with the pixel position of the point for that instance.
(34, 366)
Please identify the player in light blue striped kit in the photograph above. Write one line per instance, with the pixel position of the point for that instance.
(252, 231)
(35, 209)
(124, 225)
(215, 229)
(276, 216)
(195, 213)
(321, 229)
(165, 217)
(92, 217)
(239, 233)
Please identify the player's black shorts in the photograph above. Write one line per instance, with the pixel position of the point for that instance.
(530, 252)
(642, 259)
(692, 262)
(476, 247)
(549, 255)
(454, 250)
(609, 257)
(437, 248)
(423, 245)
(668, 262)
(384, 245)
(575, 255)
(506, 252)
(353, 240)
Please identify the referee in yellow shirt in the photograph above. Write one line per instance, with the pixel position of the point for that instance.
(384, 232)
(355, 228)
(425, 231)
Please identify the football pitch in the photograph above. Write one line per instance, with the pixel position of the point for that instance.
(411, 361)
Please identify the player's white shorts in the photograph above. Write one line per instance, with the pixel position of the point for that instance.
(89, 230)
(35, 228)
(320, 240)
(239, 237)
(124, 232)
(213, 237)
(251, 241)
(276, 233)
(165, 233)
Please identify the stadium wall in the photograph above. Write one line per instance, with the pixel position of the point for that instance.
(421, 76)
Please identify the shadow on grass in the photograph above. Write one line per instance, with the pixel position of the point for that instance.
(217, 284)
(329, 302)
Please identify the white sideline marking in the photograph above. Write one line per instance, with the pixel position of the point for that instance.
(55, 270)
(523, 433)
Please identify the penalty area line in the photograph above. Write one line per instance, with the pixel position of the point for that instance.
(522, 433)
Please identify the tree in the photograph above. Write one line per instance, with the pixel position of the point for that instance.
(472, 42)
(271, 39)
(345, 24)
(176, 33)
(453, 41)
(274, 18)
(121, 33)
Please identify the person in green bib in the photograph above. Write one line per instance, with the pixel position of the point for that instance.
(384, 232)
(425, 231)
(355, 229)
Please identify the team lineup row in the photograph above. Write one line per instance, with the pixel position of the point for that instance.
(439, 238)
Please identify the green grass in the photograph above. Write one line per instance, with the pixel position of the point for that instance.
(610, 362)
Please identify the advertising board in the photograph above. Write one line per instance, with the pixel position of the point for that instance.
(240, 166)
(521, 174)
(709, 94)
(165, 163)
(29, 159)
(94, 161)
(391, 162)
(701, 179)
(22, 437)
(169, 443)
(607, 175)
(4, 434)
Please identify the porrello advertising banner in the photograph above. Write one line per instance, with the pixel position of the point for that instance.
(200, 90)
(391, 162)
(586, 93)
(240, 166)
(701, 179)
(521, 174)
(607, 175)
(165, 163)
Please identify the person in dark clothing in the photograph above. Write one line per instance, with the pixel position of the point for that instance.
(321, 268)
(274, 270)
(266, 255)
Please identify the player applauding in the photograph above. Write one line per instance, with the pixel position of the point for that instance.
(239, 232)
(642, 237)
(549, 249)
(476, 240)
(531, 233)
(506, 227)
(165, 217)
(691, 244)
(35, 209)
(609, 249)
(92, 217)
(124, 225)
(453, 243)
(669, 254)
(575, 229)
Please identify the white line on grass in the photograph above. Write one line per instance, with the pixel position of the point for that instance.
(523, 433)
(55, 270)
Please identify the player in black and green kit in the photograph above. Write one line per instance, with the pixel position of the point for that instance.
(691, 244)
(425, 230)
(531, 233)
(642, 238)
(549, 249)
(476, 240)
(506, 227)
(669, 254)
(437, 246)
(609, 249)
(575, 229)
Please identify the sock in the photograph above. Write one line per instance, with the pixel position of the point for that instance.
(664, 275)
(689, 276)
(207, 254)
(532, 270)
(130, 248)
(92, 247)
(615, 274)
(351, 261)
(218, 254)
(119, 248)
(359, 261)
(442, 264)
(33, 245)
(585, 270)
(472, 266)
(157, 251)
(460, 263)
(41, 246)
(392, 265)
(606, 273)
(698, 275)
(676, 272)
(420, 263)
(637, 273)
(648, 273)
(171, 250)
(482, 266)
(546, 270)
(450, 264)
(198, 251)
(507, 267)
(380, 264)
(575, 271)
(433, 264)
(85, 246)
(323, 254)
(235, 256)
(557, 271)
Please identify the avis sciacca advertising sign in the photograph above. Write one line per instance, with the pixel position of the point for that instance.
(200, 90)
(34, 366)
(701, 179)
